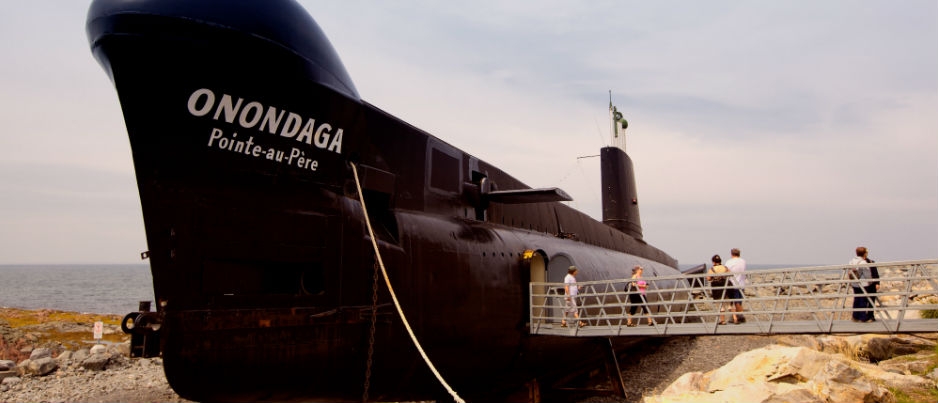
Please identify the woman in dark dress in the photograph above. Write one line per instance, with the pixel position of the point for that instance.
(636, 292)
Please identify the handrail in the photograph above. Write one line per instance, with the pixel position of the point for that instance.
(814, 299)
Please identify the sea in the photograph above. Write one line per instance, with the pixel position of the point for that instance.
(99, 288)
(88, 288)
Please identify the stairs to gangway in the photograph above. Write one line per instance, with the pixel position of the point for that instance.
(802, 300)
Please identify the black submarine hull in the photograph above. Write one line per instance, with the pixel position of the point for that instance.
(243, 126)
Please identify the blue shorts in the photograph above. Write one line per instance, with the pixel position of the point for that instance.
(734, 293)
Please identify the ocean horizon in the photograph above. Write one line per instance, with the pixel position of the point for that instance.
(87, 288)
(105, 288)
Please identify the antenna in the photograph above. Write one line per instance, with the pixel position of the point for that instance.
(618, 123)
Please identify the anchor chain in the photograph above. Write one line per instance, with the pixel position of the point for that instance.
(371, 335)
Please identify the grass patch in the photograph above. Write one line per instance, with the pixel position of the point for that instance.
(929, 395)
(17, 318)
(934, 363)
(58, 330)
(920, 396)
(75, 339)
(929, 313)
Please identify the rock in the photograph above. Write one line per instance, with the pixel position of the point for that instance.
(933, 375)
(797, 395)
(80, 355)
(839, 382)
(837, 345)
(777, 373)
(98, 349)
(799, 340)
(13, 380)
(691, 381)
(896, 381)
(95, 362)
(773, 363)
(912, 364)
(64, 357)
(884, 348)
(7, 365)
(123, 349)
(41, 367)
(751, 392)
(40, 353)
(143, 381)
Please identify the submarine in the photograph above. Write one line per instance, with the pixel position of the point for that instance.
(275, 199)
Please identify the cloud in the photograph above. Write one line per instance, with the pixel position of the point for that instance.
(794, 132)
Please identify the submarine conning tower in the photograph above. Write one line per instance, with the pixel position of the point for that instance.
(620, 198)
(619, 195)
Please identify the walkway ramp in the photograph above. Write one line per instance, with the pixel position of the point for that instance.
(800, 300)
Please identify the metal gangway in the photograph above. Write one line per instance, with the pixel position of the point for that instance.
(801, 300)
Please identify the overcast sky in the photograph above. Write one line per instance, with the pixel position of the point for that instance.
(794, 131)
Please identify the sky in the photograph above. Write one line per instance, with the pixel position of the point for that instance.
(794, 131)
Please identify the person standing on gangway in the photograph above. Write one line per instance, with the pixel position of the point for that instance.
(570, 291)
(636, 292)
(862, 286)
(737, 266)
(718, 287)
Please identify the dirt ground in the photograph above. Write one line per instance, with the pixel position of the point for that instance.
(652, 366)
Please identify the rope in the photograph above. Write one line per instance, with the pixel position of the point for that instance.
(397, 304)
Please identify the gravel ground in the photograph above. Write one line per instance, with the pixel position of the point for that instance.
(656, 364)
(137, 380)
(651, 367)
(661, 361)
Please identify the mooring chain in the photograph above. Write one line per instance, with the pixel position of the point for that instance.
(371, 335)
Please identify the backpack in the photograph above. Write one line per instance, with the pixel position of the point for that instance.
(719, 279)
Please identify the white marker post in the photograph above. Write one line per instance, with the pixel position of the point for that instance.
(98, 330)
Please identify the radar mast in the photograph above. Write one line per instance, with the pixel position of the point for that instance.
(618, 125)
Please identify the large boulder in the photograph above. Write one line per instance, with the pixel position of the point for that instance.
(8, 374)
(777, 374)
(98, 358)
(754, 392)
(871, 347)
(853, 346)
(41, 367)
(912, 364)
(96, 362)
(40, 353)
(884, 348)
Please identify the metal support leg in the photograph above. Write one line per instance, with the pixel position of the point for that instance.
(615, 372)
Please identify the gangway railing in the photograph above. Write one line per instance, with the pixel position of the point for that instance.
(803, 300)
